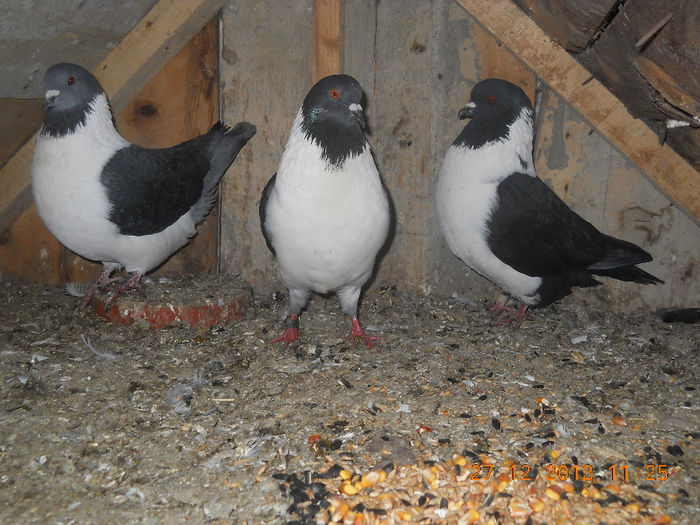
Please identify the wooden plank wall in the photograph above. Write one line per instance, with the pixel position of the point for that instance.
(179, 103)
(417, 61)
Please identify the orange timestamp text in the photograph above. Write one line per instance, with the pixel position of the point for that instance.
(552, 472)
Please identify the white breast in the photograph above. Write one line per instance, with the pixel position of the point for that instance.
(65, 181)
(327, 224)
(466, 196)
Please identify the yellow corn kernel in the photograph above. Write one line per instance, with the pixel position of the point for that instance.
(339, 512)
(632, 508)
(566, 486)
(348, 488)
(503, 482)
(552, 493)
(554, 454)
(470, 517)
(612, 488)
(403, 515)
(536, 504)
(662, 520)
(518, 509)
(460, 460)
(345, 474)
(370, 479)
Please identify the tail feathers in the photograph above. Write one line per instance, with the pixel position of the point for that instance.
(620, 253)
(630, 274)
(223, 145)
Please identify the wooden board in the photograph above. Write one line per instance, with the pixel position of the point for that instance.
(178, 104)
(631, 73)
(328, 38)
(570, 80)
(266, 71)
(571, 23)
(19, 119)
(128, 68)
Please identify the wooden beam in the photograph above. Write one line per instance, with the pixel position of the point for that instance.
(328, 38)
(570, 80)
(167, 27)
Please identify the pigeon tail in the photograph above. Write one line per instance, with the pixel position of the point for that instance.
(630, 274)
(619, 253)
(223, 144)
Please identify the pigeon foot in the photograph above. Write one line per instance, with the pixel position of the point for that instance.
(134, 283)
(359, 333)
(291, 333)
(103, 281)
(515, 318)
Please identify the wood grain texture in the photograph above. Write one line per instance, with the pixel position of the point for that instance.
(129, 67)
(178, 104)
(570, 80)
(572, 23)
(328, 38)
(266, 71)
(19, 119)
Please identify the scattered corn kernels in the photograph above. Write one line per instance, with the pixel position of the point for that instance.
(348, 488)
(459, 459)
(612, 488)
(553, 492)
(403, 515)
(371, 479)
(536, 504)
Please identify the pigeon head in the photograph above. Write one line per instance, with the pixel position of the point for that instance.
(494, 106)
(70, 90)
(332, 116)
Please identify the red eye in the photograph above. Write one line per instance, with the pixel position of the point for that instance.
(491, 99)
(334, 93)
(70, 81)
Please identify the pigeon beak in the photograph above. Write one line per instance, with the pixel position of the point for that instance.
(467, 111)
(50, 98)
(359, 115)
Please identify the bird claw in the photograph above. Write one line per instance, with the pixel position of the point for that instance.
(497, 307)
(516, 317)
(289, 335)
(134, 283)
(359, 334)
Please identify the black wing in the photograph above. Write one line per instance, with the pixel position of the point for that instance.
(532, 230)
(150, 189)
(262, 209)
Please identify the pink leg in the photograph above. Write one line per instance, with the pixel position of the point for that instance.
(497, 307)
(291, 333)
(517, 317)
(359, 333)
(102, 280)
(134, 283)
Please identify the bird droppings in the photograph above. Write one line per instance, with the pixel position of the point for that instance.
(213, 424)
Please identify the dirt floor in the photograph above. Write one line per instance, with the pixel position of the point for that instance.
(452, 418)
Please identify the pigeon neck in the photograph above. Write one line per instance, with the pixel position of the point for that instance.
(58, 124)
(520, 138)
(338, 139)
(489, 128)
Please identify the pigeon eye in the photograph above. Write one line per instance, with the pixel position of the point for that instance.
(70, 81)
(334, 93)
(491, 99)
